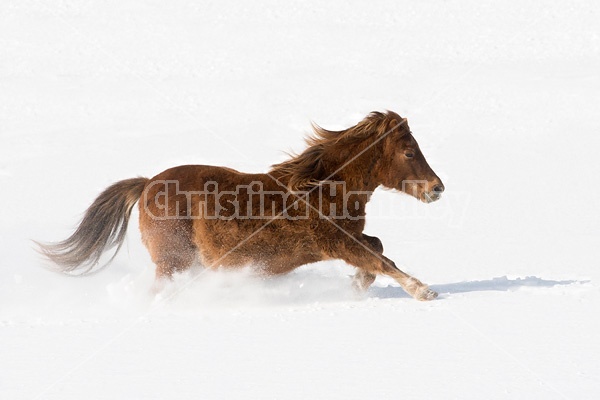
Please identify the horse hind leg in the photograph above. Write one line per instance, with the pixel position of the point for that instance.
(172, 252)
(167, 265)
(362, 280)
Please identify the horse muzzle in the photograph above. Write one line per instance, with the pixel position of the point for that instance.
(434, 195)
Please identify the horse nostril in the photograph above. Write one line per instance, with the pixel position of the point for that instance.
(438, 189)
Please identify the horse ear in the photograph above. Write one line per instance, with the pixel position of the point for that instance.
(396, 124)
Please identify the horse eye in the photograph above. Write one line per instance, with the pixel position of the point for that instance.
(409, 155)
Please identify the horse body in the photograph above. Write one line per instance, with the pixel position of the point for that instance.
(222, 238)
(307, 209)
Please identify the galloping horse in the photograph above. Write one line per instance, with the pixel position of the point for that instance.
(306, 209)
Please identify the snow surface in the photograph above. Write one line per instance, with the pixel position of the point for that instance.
(504, 98)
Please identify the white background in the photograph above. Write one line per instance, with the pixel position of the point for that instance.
(504, 99)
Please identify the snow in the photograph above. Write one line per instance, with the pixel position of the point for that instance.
(503, 99)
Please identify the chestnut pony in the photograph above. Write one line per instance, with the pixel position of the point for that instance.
(307, 209)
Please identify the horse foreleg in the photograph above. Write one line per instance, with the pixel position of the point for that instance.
(373, 242)
(411, 285)
(364, 255)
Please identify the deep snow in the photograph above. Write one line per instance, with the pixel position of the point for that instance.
(503, 98)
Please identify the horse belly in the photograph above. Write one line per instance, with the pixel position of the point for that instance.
(268, 248)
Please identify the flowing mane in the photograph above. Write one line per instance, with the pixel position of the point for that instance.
(308, 168)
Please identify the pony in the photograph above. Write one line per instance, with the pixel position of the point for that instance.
(307, 209)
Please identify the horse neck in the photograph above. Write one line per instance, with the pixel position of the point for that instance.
(358, 171)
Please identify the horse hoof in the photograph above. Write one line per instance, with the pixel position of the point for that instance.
(426, 294)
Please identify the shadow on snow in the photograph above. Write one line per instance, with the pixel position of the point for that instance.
(501, 284)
